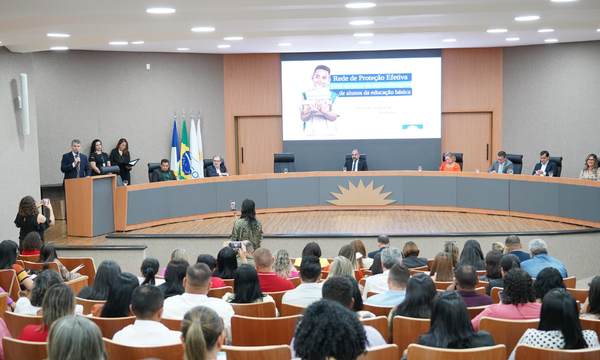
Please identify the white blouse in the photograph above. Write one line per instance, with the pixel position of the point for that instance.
(552, 339)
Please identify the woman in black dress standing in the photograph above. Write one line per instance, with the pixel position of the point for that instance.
(29, 218)
(120, 156)
(98, 159)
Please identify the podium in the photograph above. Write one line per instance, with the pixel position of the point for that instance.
(90, 205)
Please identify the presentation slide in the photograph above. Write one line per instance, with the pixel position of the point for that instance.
(351, 99)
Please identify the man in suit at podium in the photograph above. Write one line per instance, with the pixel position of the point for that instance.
(356, 163)
(163, 173)
(545, 167)
(74, 164)
(217, 168)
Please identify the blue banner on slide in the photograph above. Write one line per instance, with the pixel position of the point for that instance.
(374, 92)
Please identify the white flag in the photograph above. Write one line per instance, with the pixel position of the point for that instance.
(200, 155)
(195, 166)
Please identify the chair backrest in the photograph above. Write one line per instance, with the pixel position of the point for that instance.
(381, 352)
(579, 294)
(430, 261)
(15, 322)
(475, 310)
(10, 284)
(290, 310)
(88, 269)
(229, 282)
(517, 161)
(296, 281)
(18, 349)
(172, 324)
(361, 157)
(117, 351)
(407, 330)
(570, 282)
(418, 269)
(262, 309)
(480, 290)
(219, 292)
(589, 324)
(284, 161)
(459, 158)
(3, 304)
(507, 332)
(77, 284)
(109, 326)
(537, 353)
(324, 274)
(88, 304)
(372, 293)
(380, 323)
(558, 161)
(442, 285)
(277, 296)
(379, 310)
(496, 352)
(265, 331)
(33, 258)
(275, 352)
(39, 266)
(362, 281)
(151, 168)
(495, 294)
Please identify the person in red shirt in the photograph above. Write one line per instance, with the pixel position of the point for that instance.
(32, 244)
(58, 302)
(215, 282)
(269, 281)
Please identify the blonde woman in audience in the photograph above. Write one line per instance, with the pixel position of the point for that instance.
(590, 169)
(442, 268)
(74, 338)
(363, 261)
(283, 265)
(202, 333)
(339, 266)
(58, 302)
(451, 248)
(498, 246)
(178, 253)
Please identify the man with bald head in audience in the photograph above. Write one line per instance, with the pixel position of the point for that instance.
(269, 281)
(514, 246)
(397, 280)
(197, 284)
(383, 241)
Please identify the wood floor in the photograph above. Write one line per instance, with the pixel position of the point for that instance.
(340, 222)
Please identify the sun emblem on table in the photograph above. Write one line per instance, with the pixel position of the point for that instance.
(361, 195)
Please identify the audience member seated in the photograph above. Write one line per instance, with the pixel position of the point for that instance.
(312, 249)
(269, 281)
(590, 169)
(420, 292)
(309, 289)
(105, 275)
(31, 304)
(48, 254)
(197, 284)
(58, 302)
(538, 250)
(147, 330)
(149, 269)
(508, 262)
(247, 287)
(75, 337)
(472, 255)
(559, 326)
(451, 248)
(32, 244)
(211, 262)
(119, 298)
(358, 307)
(411, 259)
(397, 279)
(226, 263)
(450, 164)
(376, 268)
(202, 333)
(442, 267)
(383, 241)
(390, 256)
(163, 173)
(515, 247)
(591, 308)
(349, 252)
(545, 167)
(361, 254)
(173, 284)
(498, 246)
(249, 254)
(283, 265)
(8, 260)
(178, 253)
(547, 279)
(340, 265)
(465, 279)
(518, 301)
(492, 266)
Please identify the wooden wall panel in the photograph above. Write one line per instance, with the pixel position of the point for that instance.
(252, 86)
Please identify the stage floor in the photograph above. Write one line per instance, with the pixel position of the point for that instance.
(366, 222)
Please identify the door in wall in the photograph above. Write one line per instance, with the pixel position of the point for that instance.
(258, 138)
(469, 133)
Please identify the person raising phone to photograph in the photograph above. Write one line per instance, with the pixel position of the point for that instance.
(248, 227)
(316, 107)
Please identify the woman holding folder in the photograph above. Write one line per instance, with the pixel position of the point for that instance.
(120, 156)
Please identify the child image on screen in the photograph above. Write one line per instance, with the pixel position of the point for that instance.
(316, 106)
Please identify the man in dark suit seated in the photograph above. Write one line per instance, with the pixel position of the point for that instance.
(545, 167)
(217, 168)
(74, 164)
(164, 173)
(356, 163)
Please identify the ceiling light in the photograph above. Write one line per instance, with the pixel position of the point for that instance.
(59, 48)
(365, 42)
(58, 35)
(545, 30)
(183, 49)
(160, 10)
(562, 0)
(513, 39)
(118, 43)
(527, 18)
(137, 42)
(551, 40)
(449, 40)
(285, 44)
(494, 31)
(598, 30)
(360, 5)
(363, 34)
(224, 46)
(361, 22)
(203, 29)
(233, 38)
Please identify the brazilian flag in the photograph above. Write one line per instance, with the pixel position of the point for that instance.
(185, 169)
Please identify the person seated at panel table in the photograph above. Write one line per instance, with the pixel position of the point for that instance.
(590, 170)
(450, 164)
(501, 165)
(217, 168)
(356, 163)
(545, 167)
(163, 173)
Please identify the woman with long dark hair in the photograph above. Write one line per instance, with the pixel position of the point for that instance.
(546, 280)
(29, 218)
(247, 287)
(176, 271)
(120, 156)
(48, 254)
(312, 249)
(508, 261)
(98, 159)
(248, 227)
(472, 255)
(119, 298)
(107, 272)
(8, 260)
(226, 263)
(591, 308)
(420, 291)
(149, 270)
(492, 266)
(559, 326)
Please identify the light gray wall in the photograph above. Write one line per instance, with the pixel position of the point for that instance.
(21, 174)
(551, 101)
(109, 95)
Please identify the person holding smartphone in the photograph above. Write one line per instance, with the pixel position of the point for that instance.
(29, 218)
(248, 227)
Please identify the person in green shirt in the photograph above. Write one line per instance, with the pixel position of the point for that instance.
(248, 227)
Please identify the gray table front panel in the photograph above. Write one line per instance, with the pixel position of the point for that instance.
(482, 193)
(534, 197)
(148, 205)
(192, 199)
(292, 192)
(238, 191)
(104, 216)
(329, 184)
(579, 202)
(430, 191)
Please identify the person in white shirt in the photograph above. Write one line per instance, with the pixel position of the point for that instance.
(147, 305)
(197, 284)
(32, 304)
(309, 290)
(379, 283)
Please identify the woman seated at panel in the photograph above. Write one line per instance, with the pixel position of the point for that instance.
(450, 164)
(591, 308)
(590, 169)
(410, 254)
